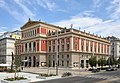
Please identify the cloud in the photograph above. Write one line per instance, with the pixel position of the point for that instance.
(106, 28)
(47, 4)
(25, 9)
(84, 19)
(96, 3)
(2, 3)
(21, 13)
(114, 9)
(92, 24)
(87, 13)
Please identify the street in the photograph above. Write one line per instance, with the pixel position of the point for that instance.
(104, 77)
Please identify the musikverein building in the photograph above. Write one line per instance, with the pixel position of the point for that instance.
(40, 45)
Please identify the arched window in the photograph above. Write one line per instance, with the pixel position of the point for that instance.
(26, 47)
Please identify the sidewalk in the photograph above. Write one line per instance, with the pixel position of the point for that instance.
(30, 76)
(53, 71)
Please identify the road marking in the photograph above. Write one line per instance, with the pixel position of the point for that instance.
(109, 80)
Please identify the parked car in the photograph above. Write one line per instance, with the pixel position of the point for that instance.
(111, 69)
(95, 70)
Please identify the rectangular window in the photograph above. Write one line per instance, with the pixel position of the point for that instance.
(86, 47)
(62, 47)
(62, 56)
(53, 48)
(62, 63)
(49, 48)
(82, 47)
(68, 47)
(68, 56)
(62, 40)
(91, 48)
(67, 63)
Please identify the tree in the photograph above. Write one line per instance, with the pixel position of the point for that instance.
(17, 60)
(118, 61)
(111, 61)
(93, 61)
(102, 62)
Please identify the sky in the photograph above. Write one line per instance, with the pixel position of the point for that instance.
(100, 17)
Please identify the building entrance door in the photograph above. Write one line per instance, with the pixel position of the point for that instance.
(29, 61)
(53, 63)
(34, 61)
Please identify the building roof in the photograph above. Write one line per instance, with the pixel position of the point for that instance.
(30, 23)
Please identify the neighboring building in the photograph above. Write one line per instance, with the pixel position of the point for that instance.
(115, 46)
(38, 46)
(7, 41)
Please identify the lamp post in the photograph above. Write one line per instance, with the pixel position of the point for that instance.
(12, 61)
(57, 53)
(79, 53)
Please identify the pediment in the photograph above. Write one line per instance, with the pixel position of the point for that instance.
(29, 23)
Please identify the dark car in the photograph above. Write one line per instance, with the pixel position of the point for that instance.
(95, 70)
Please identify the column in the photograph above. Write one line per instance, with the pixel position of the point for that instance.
(100, 48)
(96, 47)
(103, 48)
(79, 44)
(71, 43)
(31, 61)
(85, 62)
(93, 47)
(89, 46)
(40, 45)
(27, 47)
(65, 49)
(31, 46)
(84, 45)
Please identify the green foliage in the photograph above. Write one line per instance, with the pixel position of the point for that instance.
(102, 62)
(118, 61)
(16, 78)
(17, 60)
(66, 74)
(47, 75)
(111, 61)
(92, 61)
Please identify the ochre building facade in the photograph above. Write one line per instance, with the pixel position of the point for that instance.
(39, 46)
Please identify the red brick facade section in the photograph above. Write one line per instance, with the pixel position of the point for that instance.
(78, 43)
(67, 39)
(43, 45)
(38, 30)
(38, 46)
(75, 43)
(43, 31)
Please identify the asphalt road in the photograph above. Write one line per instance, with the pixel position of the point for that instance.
(105, 77)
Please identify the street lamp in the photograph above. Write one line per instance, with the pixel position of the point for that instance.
(56, 52)
(12, 61)
(79, 53)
